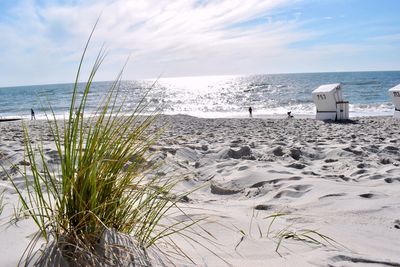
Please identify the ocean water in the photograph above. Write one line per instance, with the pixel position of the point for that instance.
(215, 96)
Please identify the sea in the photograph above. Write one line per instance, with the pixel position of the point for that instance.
(213, 96)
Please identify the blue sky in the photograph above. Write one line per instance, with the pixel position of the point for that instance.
(41, 40)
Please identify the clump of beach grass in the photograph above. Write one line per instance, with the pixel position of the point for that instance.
(304, 235)
(104, 191)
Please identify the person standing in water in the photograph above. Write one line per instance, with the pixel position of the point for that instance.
(33, 114)
(251, 112)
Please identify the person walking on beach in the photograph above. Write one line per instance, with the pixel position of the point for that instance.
(251, 112)
(33, 114)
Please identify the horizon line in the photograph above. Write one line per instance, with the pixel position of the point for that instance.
(196, 76)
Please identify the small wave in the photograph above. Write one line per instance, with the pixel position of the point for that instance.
(366, 110)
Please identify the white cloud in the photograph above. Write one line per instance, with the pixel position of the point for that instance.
(158, 34)
(181, 37)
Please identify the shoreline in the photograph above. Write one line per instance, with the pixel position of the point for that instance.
(244, 116)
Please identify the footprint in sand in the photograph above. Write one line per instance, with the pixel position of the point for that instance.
(394, 170)
(289, 193)
(332, 195)
(275, 181)
(242, 168)
(260, 184)
(397, 224)
(300, 190)
(391, 180)
(278, 151)
(386, 161)
(330, 160)
(298, 166)
(367, 195)
(326, 167)
(362, 171)
(264, 207)
(300, 187)
(296, 153)
(376, 177)
(310, 173)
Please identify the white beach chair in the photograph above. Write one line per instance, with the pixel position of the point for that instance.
(395, 96)
(329, 101)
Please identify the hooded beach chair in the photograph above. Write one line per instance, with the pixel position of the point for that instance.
(395, 96)
(330, 104)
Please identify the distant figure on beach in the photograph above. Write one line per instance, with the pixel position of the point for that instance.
(251, 112)
(289, 115)
(33, 114)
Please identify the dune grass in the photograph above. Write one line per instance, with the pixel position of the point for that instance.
(2, 204)
(303, 235)
(104, 184)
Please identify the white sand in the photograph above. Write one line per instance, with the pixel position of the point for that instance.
(342, 180)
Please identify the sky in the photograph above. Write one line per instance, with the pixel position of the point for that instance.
(41, 41)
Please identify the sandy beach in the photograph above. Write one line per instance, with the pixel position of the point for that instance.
(341, 180)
